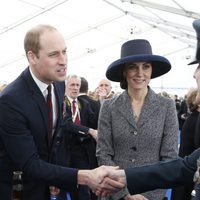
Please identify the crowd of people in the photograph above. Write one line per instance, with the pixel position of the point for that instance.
(72, 143)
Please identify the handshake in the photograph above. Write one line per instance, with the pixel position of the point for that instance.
(104, 180)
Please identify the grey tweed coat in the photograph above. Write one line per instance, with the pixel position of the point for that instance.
(123, 142)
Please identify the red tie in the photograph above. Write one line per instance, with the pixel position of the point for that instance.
(50, 113)
(75, 113)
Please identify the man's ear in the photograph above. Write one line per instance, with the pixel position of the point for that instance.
(31, 57)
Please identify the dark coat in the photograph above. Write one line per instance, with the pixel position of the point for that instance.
(187, 146)
(188, 133)
(182, 110)
(80, 146)
(197, 134)
(24, 143)
(95, 106)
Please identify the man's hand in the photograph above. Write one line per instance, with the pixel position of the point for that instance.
(103, 180)
(116, 175)
(93, 133)
(119, 175)
(102, 94)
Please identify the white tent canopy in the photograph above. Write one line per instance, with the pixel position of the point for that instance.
(95, 30)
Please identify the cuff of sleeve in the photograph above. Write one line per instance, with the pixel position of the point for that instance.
(120, 194)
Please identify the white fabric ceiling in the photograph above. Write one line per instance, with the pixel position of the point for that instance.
(94, 31)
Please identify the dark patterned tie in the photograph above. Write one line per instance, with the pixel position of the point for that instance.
(75, 113)
(50, 113)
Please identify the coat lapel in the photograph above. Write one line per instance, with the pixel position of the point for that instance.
(149, 108)
(123, 104)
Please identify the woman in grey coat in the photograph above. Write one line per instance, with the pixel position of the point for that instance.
(138, 127)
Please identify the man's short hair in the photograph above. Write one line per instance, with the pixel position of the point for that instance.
(84, 85)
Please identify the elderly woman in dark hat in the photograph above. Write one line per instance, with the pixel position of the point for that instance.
(138, 127)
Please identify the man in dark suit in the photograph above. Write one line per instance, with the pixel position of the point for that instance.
(83, 94)
(81, 146)
(182, 112)
(177, 172)
(24, 142)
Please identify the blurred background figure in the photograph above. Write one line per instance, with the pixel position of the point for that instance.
(177, 102)
(189, 134)
(83, 94)
(164, 94)
(182, 112)
(104, 90)
(2, 87)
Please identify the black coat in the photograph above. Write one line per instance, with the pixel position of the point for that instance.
(95, 106)
(24, 143)
(80, 146)
(187, 146)
(182, 110)
(188, 134)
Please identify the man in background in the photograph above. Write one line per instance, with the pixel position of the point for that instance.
(83, 94)
(82, 146)
(104, 90)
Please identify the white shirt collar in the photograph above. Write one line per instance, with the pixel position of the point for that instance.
(42, 86)
(82, 93)
(70, 99)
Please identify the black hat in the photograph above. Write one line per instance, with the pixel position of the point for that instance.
(135, 51)
(196, 25)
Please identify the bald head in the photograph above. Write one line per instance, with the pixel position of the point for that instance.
(105, 84)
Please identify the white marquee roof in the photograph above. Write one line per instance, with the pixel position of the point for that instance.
(95, 29)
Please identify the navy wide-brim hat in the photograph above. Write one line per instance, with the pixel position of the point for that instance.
(136, 51)
(196, 26)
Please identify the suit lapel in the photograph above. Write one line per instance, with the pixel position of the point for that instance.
(39, 98)
(59, 101)
(36, 95)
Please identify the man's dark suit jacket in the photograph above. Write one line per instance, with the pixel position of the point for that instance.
(163, 174)
(87, 114)
(24, 144)
(95, 106)
(81, 147)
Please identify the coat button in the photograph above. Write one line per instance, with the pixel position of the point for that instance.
(133, 160)
(135, 132)
(134, 148)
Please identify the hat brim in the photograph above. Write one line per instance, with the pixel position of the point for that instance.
(194, 62)
(160, 66)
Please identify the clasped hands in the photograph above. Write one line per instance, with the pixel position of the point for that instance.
(104, 180)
